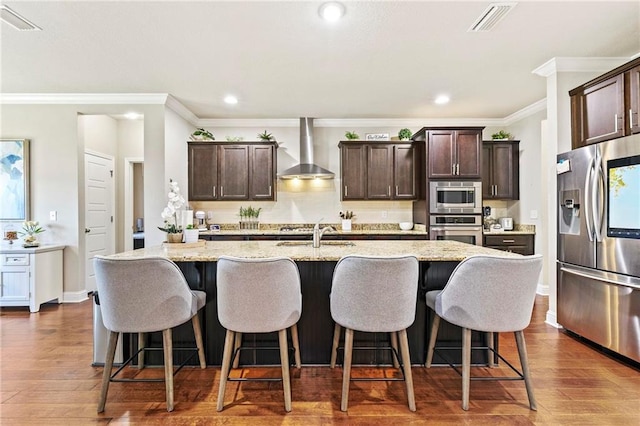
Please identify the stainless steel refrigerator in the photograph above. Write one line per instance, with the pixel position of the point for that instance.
(599, 244)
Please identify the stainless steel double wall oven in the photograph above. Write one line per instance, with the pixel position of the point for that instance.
(455, 209)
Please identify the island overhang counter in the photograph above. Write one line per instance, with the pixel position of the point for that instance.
(198, 263)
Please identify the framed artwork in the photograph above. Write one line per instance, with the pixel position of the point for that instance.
(14, 179)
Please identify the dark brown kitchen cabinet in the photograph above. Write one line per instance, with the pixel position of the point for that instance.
(606, 107)
(500, 170)
(515, 243)
(454, 153)
(377, 171)
(231, 172)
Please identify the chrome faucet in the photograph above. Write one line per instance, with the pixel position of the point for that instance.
(317, 233)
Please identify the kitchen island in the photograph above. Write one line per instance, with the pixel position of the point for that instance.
(198, 263)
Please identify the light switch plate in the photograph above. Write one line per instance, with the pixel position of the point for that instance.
(533, 214)
(53, 215)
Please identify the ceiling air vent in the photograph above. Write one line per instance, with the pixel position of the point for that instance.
(16, 21)
(491, 16)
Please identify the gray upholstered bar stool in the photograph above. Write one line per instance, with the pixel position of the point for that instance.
(258, 296)
(377, 295)
(140, 296)
(490, 294)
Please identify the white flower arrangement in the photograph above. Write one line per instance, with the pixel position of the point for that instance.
(176, 201)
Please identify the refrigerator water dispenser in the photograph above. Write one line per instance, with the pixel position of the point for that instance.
(570, 212)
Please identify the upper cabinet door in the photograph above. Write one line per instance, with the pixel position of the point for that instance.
(379, 172)
(203, 171)
(602, 110)
(501, 170)
(234, 172)
(261, 172)
(404, 172)
(441, 153)
(353, 171)
(469, 152)
(633, 111)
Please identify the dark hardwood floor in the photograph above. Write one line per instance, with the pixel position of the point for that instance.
(46, 378)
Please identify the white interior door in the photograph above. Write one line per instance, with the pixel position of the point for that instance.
(99, 221)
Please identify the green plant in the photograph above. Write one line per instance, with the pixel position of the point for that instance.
(266, 136)
(501, 135)
(249, 212)
(205, 134)
(190, 226)
(404, 134)
(351, 135)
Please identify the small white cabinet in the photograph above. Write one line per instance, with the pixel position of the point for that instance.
(30, 277)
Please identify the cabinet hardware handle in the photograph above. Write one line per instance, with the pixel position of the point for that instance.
(269, 190)
(458, 169)
(397, 190)
(453, 169)
(508, 241)
(214, 191)
(389, 191)
(221, 191)
(346, 191)
(615, 118)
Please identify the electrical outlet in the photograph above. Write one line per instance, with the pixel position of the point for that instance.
(533, 214)
(384, 214)
(53, 215)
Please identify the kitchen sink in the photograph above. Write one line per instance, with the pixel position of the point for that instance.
(310, 243)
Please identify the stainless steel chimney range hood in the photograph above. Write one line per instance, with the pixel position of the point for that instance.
(306, 169)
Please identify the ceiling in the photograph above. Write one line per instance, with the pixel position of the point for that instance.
(384, 59)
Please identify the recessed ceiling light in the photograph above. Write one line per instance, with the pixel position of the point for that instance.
(16, 20)
(442, 99)
(332, 11)
(132, 115)
(230, 99)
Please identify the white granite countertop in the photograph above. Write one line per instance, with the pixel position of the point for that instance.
(210, 250)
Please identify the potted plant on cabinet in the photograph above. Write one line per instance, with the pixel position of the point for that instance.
(404, 134)
(191, 234)
(351, 135)
(501, 135)
(202, 135)
(266, 137)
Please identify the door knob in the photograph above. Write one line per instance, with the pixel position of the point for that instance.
(87, 230)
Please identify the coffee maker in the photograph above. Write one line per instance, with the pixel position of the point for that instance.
(200, 218)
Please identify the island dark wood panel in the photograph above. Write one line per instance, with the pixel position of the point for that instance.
(315, 327)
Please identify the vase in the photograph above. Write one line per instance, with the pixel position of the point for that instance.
(174, 238)
(30, 241)
(346, 225)
(191, 235)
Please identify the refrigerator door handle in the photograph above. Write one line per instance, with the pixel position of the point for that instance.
(629, 282)
(588, 186)
(596, 196)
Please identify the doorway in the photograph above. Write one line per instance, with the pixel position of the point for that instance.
(133, 203)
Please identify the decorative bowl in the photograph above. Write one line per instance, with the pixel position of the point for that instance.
(406, 226)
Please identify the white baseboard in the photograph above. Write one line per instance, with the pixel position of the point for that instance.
(74, 297)
(552, 319)
(542, 289)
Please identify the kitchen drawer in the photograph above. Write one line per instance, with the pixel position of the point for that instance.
(506, 240)
(19, 259)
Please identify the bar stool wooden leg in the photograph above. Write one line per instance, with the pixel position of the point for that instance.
(167, 344)
(237, 343)
(394, 345)
(490, 355)
(296, 345)
(346, 374)
(432, 340)
(197, 332)
(466, 367)
(336, 340)
(284, 361)
(406, 361)
(141, 345)
(108, 365)
(226, 364)
(524, 362)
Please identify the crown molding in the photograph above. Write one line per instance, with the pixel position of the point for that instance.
(84, 98)
(350, 122)
(249, 122)
(566, 64)
(535, 107)
(176, 106)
